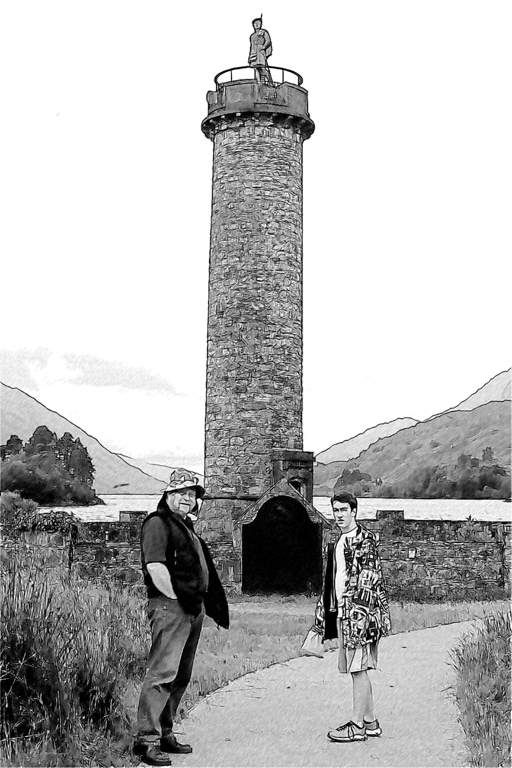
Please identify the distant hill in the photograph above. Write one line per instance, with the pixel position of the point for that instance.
(497, 389)
(349, 449)
(437, 441)
(160, 471)
(21, 414)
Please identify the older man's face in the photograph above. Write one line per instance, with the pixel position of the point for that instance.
(182, 502)
(256, 25)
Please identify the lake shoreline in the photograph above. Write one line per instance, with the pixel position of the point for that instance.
(486, 510)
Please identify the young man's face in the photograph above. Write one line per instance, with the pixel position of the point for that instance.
(182, 502)
(344, 517)
(256, 25)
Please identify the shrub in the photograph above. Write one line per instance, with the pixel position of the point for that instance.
(66, 653)
(482, 663)
(13, 507)
(22, 515)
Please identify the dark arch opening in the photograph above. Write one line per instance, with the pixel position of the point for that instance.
(297, 484)
(282, 550)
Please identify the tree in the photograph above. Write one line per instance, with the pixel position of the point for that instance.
(42, 440)
(80, 464)
(463, 461)
(488, 455)
(65, 446)
(49, 470)
(467, 486)
(14, 445)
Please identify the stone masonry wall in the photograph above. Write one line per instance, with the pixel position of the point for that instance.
(254, 375)
(421, 559)
(425, 559)
(110, 550)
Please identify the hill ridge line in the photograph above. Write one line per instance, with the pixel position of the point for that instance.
(360, 434)
(77, 427)
(455, 407)
(439, 415)
(448, 413)
(154, 463)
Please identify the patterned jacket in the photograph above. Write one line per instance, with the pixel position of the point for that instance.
(364, 610)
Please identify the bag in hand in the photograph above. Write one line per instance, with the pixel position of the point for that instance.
(313, 644)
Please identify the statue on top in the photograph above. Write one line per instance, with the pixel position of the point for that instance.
(261, 49)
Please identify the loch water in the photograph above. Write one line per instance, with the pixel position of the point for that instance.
(491, 510)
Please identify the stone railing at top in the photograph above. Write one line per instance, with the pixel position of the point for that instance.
(279, 76)
(238, 94)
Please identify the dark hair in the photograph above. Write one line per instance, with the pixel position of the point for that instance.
(346, 497)
(255, 20)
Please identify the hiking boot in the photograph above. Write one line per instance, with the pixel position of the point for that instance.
(151, 754)
(168, 743)
(348, 732)
(372, 727)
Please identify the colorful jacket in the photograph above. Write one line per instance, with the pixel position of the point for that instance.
(364, 611)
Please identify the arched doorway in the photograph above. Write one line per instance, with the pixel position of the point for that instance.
(282, 550)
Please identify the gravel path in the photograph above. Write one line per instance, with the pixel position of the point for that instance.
(279, 716)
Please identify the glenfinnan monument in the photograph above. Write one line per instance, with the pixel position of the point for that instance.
(257, 514)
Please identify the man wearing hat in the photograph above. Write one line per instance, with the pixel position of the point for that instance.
(182, 585)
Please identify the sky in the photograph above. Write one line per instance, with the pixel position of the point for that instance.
(106, 191)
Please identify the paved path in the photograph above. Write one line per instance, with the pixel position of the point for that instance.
(279, 716)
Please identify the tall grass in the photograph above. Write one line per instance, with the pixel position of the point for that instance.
(66, 653)
(482, 663)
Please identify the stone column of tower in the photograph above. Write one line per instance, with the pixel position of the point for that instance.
(254, 347)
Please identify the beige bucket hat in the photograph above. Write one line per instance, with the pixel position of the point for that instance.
(182, 478)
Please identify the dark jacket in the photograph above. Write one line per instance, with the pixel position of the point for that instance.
(184, 565)
(364, 611)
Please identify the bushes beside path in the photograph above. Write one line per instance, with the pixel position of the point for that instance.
(482, 663)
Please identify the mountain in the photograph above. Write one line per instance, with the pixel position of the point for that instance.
(349, 449)
(21, 414)
(160, 471)
(437, 441)
(497, 389)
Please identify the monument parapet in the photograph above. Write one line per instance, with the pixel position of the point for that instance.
(238, 94)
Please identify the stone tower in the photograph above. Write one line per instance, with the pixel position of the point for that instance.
(253, 426)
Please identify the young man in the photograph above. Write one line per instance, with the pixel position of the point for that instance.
(182, 585)
(354, 607)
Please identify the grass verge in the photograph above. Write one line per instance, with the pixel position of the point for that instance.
(482, 691)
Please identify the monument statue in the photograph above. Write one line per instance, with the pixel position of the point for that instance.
(261, 49)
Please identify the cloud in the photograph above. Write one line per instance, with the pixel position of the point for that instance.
(30, 369)
(99, 372)
(19, 366)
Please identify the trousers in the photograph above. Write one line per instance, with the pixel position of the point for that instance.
(174, 638)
